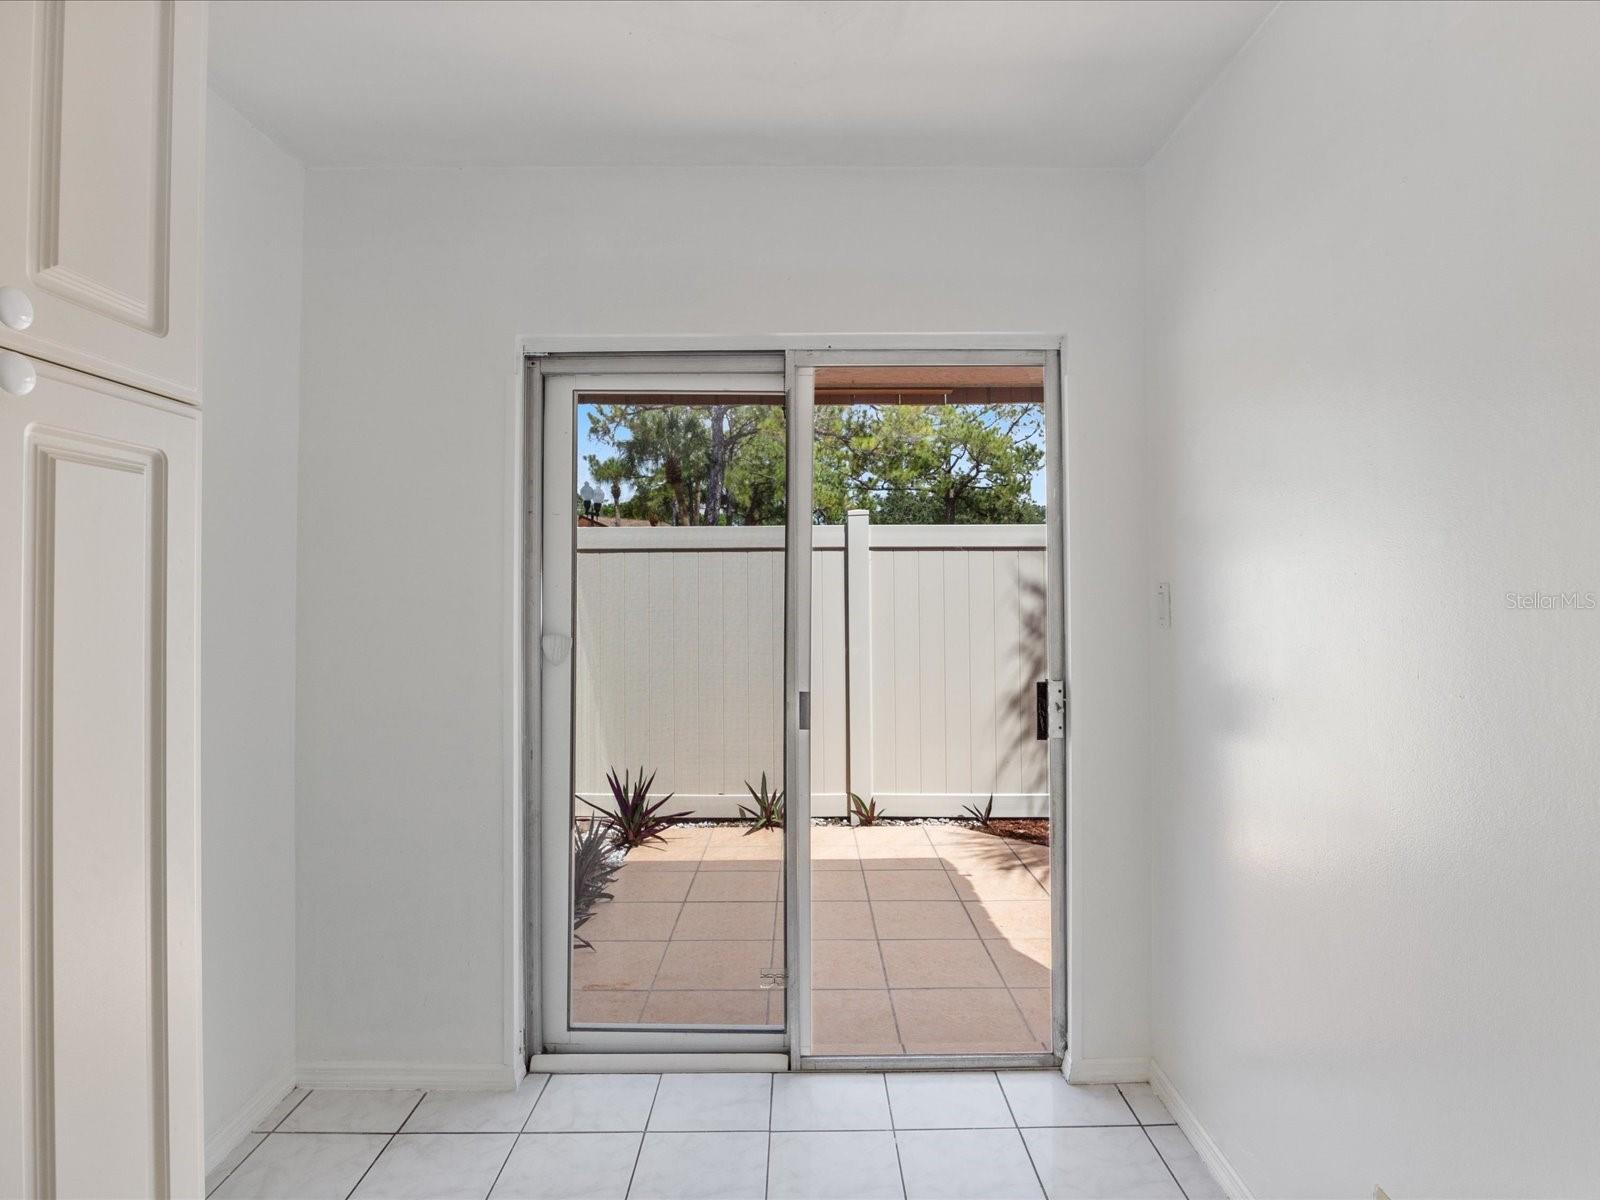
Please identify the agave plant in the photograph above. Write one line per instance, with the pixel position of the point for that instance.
(864, 812)
(634, 819)
(981, 815)
(595, 864)
(767, 812)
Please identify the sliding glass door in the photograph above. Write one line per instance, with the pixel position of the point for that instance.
(662, 651)
(800, 640)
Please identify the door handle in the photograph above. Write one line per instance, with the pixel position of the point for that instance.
(1050, 709)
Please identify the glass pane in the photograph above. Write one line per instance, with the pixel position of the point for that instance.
(677, 811)
(930, 795)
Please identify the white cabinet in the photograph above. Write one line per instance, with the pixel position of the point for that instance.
(99, 821)
(101, 109)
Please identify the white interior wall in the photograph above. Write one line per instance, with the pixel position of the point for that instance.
(418, 286)
(1374, 302)
(253, 208)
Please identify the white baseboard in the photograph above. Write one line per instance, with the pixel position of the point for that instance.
(1208, 1149)
(428, 1076)
(1106, 1070)
(221, 1141)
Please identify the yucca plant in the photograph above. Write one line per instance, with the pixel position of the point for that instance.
(595, 864)
(633, 817)
(981, 815)
(768, 810)
(864, 812)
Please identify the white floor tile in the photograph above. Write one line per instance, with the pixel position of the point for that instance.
(947, 1100)
(966, 1164)
(688, 1103)
(569, 1166)
(807, 1101)
(476, 1112)
(701, 1166)
(1092, 1164)
(333, 1110)
(1146, 1104)
(303, 1166)
(834, 1166)
(593, 1104)
(1193, 1174)
(1045, 1098)
(436, 1166)
(236, 1156)
(281, 1110)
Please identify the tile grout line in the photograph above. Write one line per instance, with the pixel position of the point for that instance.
(1182, 1191)
(643, 1133)
(1026, 1149)
(516, 1136)
(390, 1142)
(894, 1134)
(264, 1136)
(766, 1179)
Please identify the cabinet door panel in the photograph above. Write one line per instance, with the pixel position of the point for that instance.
(100, 128)
(100, 1072)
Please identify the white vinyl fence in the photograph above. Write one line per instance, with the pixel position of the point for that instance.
(926, 643)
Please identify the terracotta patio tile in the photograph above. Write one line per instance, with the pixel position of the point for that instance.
(639, 922)
(735, 849)
(607, 1008)
(833, 847)
(616, 966)
(723, 966)
(636, 885)
(909, 885)
(1024, 963)
(842, 885)
(961, 1021)
(735, 885)
(728, 920)
(836, 965)
(890, 848)
(898, 920)
(679, 846)
(1011, 920)
(831, 919)
(939, 964)
(1000, 884)
(705, 1008)
(1035, 1006)
(966, 835)
(775, 1006)
(989, 855)
(853, 1023)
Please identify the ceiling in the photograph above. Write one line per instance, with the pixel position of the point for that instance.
(1095, 83)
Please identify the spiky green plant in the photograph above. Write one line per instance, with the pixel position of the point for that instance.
(633, 817)
(767, 812)
(594, 866)
(864, 812)
(982, 815)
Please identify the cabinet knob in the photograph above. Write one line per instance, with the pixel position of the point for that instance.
(16, 310)
(17, 375)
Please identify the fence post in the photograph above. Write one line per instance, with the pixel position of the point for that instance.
(858, 651)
